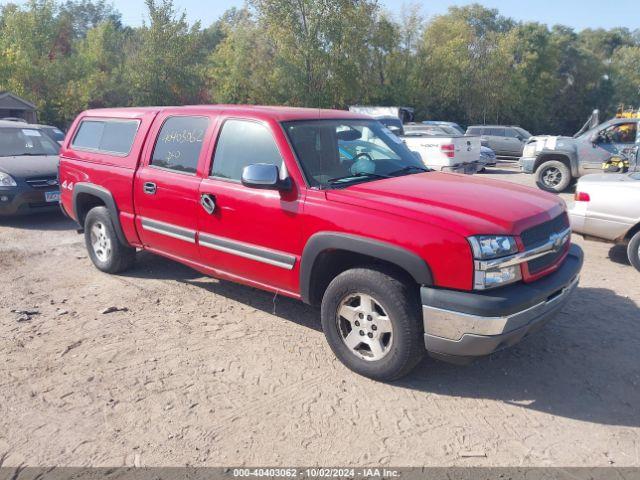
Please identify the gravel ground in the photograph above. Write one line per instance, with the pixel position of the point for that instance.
(194, 371)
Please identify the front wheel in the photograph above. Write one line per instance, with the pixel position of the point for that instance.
(372, 322)
(106, 250)
(553, 176)
(633, 251)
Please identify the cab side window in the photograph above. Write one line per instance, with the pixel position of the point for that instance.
(242, 143)
(179, 144)
(621, 133)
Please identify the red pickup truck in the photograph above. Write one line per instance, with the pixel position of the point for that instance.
(331, 208)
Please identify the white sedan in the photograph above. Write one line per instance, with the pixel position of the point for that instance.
(607, 207)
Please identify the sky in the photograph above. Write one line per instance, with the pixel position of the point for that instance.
(578, 14)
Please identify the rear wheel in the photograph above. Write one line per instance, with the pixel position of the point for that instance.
(553, 176)
(372, 322)
(633, 251)
(106, 250)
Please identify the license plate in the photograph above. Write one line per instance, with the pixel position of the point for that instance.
(52, 196)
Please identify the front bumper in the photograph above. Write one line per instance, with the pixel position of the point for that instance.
(472, 324)
(24, 202)
(527, 164)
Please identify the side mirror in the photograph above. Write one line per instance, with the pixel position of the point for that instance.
(595, 138)
(264, 176)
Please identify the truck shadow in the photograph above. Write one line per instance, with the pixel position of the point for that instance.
(585, 365)
(500, 171)
(52, 221)
(152, 266)
(618, 254)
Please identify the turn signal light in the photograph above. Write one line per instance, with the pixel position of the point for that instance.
(582, 197)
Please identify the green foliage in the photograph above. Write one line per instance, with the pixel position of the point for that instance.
(471, 65)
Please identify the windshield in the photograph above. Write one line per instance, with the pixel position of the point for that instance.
(16, 142)
(523, 132)
(55, 134)
(424, 130)
(335, 153)
(391, 122)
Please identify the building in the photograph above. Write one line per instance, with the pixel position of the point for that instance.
(15, 107)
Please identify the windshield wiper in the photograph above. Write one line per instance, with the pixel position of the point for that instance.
(356, 176)
(409, 169)
(28, 154)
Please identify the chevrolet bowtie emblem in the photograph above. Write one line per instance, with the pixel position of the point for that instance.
(557, 240)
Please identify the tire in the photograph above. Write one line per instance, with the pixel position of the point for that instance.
(553, 176)
(633, 251)
(395, 323)
(106, 250)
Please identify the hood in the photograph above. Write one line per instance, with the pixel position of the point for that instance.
(460, 203)
(548, 142)
(27, 167)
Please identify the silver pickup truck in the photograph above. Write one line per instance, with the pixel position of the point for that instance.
(558, 161)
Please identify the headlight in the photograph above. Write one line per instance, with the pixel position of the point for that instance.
(487, 252)
(529, 150)
(486, 247)
(7, 181)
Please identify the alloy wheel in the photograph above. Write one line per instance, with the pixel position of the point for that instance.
(552, 177)
(364, 326)
(100, 242)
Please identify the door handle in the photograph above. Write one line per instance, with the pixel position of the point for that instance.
(149, 188)
(208, 202)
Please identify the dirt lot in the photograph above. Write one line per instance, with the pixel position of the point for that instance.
(203, 372)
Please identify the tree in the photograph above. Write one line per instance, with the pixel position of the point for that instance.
(626, 75)
(163, 62)
(470, 65)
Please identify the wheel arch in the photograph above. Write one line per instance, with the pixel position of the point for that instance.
(87, 196)
(632, 231)
(328, 254)
(558, 157)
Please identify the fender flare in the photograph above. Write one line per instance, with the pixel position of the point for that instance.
(104, 195)
(324, 241)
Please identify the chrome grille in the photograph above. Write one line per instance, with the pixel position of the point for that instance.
(539, 235)
(42, 183)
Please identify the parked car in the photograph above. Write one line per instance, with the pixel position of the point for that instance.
(400, 261)
(488, 157)
(439, 123)
(607, 207)
(506, 141)
(54, 133)
(442, 150)
(28, 170)
(558, 161)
